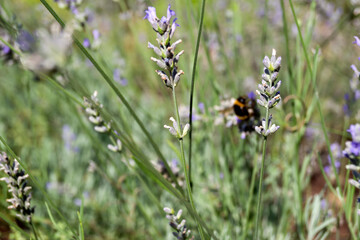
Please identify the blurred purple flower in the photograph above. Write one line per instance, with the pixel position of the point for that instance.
(357, 94)
(356, 71)
(86, 43)
(118, 78)
(357, 41)
(346, 109)
(201, 107)
(251, 95)
(26, 41)
(69, 137)
(174, 163)
(5, 50)
(78, 202)
(354, 130)
(74, 10)
(96, 34)
(347, 97)
(323, 204)
(355, 148)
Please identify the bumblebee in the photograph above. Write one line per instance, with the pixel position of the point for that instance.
(245, 109)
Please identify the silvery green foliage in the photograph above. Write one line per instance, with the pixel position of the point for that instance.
(269, 96)
(181, 231)
(318, 218)
(352, 152)
(167, 60)
(16, 180)
(92, 107)
(176, 131)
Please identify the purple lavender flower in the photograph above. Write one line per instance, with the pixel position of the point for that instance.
(86, 43)
(357, 94)
(352, 152)
(162, 25)
(352, 148)
(69, 138)
(26, 41)
(165, 50)
(346, 109)
(96, 34)
(201, 107)
(151, 16)
(357, 41)
(5, 50)
(354, 130)
(118, 78)
(252, 95)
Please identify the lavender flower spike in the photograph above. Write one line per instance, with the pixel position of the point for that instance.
(268, 93)
(168, 59)
(16, 179)
(181, 231)
(352, 152)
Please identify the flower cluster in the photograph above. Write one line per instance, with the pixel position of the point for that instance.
(351, 98)
(336, 151)
(16, 180)
(352, 152)
(181, 231)
(9, 28)
(160, 166)
(269, 96)
(166, 51)
(73, 6)
(48, 52)
(95, 42)
(92, 107)
(176, 130)
(6, 53)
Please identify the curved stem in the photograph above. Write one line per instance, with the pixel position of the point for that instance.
(258, 208)
(193, 83)
(183, 161)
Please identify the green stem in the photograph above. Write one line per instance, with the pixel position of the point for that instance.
(248, 204)
(183, 161)
(299, 190)
(258, 208)
(264, 29)
(287, 45)
(33, 228)
(193, 83)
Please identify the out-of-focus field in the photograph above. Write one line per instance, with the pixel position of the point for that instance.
(42, 119)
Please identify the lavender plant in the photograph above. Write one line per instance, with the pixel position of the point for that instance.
(92, 107)
(181, 232)
(352, 152)
(16, 180)
(269, 97)
(170, 75)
